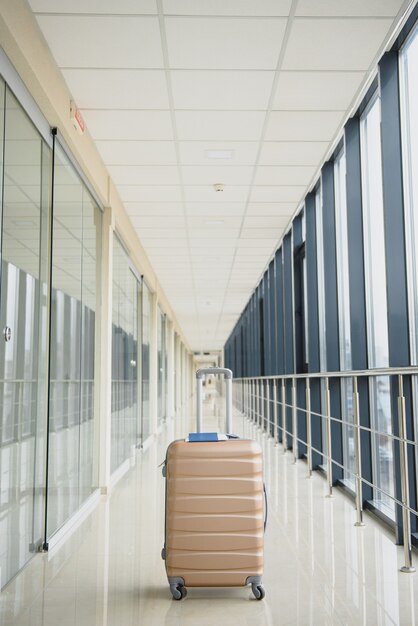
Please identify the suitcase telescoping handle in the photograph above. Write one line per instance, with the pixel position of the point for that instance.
(200, 374)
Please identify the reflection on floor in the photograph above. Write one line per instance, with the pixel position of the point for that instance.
(319, 568)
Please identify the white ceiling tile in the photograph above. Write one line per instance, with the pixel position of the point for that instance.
(227, 7)
(246, 285)
(271, 193)
(130, 41)
(207, 193)
(203, 258)
(144, 193)
(292, 152)
(346, 8)
(165, 247)
(130, 89)
(245, 264)
(219, 125)
(204, 221)
(233, 306)
(172, 268)
(166, 221)
(213, 234)
(128, 125)
(219, 209)
(209, 175)
(278, 221)
(212, 244)
(316, 91)
(271, 208)
(130, 7)
(303, 125)
(328, 44)
(154, 208)
(178, 253)
(166, 264)
(261, 233)
(282, 175)
(221, 89)
(224, 43)
(144, 174)
(153, 234)
(257, 257)
(137, 152)
(257, 246)
(195, 152)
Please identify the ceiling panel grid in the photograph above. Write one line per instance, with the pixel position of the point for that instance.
(180, 95)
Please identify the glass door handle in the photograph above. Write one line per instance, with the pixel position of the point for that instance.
(7, 333)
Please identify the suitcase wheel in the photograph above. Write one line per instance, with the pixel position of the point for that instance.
(179, 592)
(258, 591)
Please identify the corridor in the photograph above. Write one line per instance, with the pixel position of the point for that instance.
(319, 568)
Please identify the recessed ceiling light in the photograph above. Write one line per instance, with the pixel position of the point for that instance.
(219, 154)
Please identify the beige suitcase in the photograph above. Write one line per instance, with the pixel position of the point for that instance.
(215, 508)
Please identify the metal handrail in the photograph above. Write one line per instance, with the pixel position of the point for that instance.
(252, 403)
(378, 371)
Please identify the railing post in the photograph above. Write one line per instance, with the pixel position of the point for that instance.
(328, 430)
(357, 454)
(308, 426)
(294, 422)
(257, 403)
(250, 399)
(255, 400)
(261, 406)
(276, 429)
(268, 406)
(407, 546)
(284, 434)
(256, 394)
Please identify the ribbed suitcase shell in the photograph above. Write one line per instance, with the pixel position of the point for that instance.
(214, 512)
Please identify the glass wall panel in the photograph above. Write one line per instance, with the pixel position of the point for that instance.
(409, 112)
(146, 337)
(25, 176)
(125, 325)
(321, 305)
(305, 293)
(344, 314)
(409, 118)
(321, 280)
(376, 301)
(162, 365)
(73, 428)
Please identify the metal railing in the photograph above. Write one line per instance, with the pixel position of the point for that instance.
(263, 401)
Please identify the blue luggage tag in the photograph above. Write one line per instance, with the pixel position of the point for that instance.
(203, 437)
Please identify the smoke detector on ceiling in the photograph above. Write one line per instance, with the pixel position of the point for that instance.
(218, 187)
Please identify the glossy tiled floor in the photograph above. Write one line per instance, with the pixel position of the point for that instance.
(319, 568)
